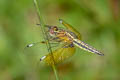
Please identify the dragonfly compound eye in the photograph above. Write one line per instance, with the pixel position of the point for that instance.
(55, 28)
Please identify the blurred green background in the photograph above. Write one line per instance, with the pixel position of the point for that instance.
(98, 21)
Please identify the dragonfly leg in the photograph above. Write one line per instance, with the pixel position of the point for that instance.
(43, 42)
(70, 45)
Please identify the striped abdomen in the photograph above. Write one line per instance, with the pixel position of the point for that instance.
(86, 47)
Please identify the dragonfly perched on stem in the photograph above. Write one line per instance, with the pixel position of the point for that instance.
(69, 38)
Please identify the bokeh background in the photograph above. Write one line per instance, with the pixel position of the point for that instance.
(97, 20)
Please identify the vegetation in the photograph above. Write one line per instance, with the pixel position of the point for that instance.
(98, 22)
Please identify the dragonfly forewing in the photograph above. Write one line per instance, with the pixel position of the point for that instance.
(69, 27)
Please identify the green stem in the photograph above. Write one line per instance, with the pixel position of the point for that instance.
(42, 24)
(55, 72)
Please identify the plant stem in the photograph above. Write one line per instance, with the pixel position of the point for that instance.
(55, 72)
(42, 24)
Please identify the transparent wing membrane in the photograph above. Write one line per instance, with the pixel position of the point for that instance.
(69, 27)
(62, 43)
(59, 55)
(79, 43)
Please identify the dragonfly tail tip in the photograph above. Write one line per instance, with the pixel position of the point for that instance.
(101, 54)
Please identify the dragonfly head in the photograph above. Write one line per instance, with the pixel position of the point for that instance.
(53, 30)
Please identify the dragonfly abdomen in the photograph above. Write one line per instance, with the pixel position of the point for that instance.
(86, 47)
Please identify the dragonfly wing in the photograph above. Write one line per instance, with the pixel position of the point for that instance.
(59, 55)
(69, 27)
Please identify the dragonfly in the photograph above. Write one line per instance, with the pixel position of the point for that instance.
(69, 39)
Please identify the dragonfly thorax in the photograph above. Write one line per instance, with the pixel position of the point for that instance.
(62, 34)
